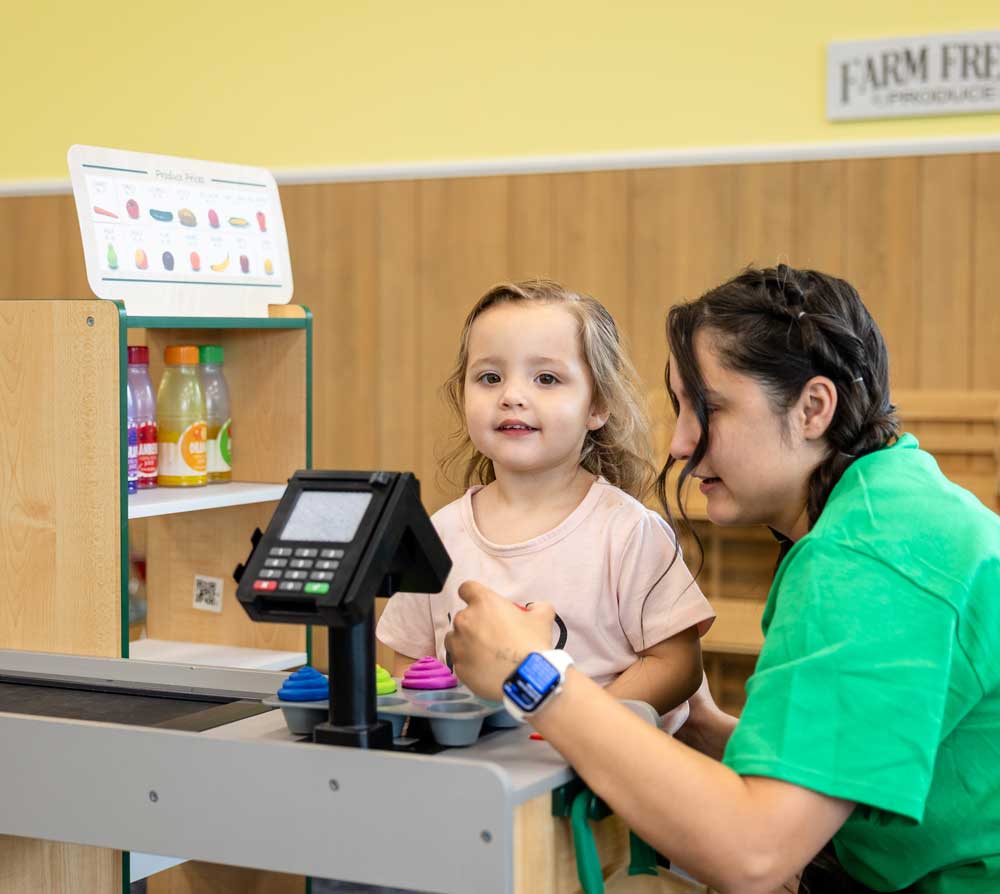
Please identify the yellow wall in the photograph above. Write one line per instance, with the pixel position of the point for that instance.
(313, 83)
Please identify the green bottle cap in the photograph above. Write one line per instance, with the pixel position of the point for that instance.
(210, 353)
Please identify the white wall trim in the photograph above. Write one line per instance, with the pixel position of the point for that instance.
(608, 161)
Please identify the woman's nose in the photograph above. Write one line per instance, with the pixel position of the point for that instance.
(685, 437)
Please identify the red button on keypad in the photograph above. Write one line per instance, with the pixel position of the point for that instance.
(265, 585)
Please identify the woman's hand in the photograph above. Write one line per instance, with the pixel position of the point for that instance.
(492, 636)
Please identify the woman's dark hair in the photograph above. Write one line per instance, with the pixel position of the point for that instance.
(782, 327)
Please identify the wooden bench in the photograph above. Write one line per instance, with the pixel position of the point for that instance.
(962, 430)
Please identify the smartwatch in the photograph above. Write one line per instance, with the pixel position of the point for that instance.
(534, 682)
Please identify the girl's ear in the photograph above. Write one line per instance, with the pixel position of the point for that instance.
(817, 406)
(597, 418)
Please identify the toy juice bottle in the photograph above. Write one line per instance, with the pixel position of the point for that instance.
(181, 420)
(132, 440)
(144, 407)
(220, 435)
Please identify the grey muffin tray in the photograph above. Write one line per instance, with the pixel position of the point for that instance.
(456, 716)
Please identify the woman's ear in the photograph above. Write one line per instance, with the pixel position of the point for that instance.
(817, 406)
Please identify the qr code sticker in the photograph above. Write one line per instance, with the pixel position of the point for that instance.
(208, 593)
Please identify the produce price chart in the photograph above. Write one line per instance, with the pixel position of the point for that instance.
(214, 232)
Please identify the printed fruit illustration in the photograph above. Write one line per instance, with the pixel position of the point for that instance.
(238, 222)
(162, 216)
(141, 261)
(261, 221)
(244, 263)
(104, 212)
(112, 257)
(132, 207)
(213, 218)
(195, 262)
(222, 265)
(187, 218)
(268, 266)
(168, 261)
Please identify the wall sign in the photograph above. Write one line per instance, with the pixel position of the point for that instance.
(178, 237)
(940, 74)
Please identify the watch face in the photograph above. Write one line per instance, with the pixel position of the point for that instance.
(531, 683)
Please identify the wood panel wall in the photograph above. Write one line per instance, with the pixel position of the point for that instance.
(390, 270)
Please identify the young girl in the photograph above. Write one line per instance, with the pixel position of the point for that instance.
(556, 454)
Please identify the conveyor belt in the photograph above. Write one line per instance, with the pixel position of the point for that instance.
(134, 706)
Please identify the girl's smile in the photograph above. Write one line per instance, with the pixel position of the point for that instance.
(515, 428)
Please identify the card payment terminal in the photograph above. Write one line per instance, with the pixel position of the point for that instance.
(336, 541)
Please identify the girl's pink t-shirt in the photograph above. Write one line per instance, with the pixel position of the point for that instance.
(606, 568)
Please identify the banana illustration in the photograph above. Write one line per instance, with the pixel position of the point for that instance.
(222, 265)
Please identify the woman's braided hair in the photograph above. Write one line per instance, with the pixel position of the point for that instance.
(782, 327)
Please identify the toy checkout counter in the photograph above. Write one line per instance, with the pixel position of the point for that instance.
(198, 762)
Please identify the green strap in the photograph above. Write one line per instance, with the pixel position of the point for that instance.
(642, 858)
(587, 806)
(588, 863)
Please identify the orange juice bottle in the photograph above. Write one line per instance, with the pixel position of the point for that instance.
(182, 426)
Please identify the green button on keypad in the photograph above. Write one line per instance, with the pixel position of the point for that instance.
(315, 587)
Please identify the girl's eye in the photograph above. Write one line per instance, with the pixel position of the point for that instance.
(489, 378)
(547, 379)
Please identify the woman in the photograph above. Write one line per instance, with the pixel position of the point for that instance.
(873, 716)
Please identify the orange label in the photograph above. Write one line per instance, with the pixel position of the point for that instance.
(193, 445)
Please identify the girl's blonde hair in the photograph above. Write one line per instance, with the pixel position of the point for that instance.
(620, 450)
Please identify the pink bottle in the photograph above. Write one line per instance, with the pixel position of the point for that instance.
(144, 411)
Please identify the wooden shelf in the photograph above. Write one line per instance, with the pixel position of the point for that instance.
(211, 655)
(171, 500)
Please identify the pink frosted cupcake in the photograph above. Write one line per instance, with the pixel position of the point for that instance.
(429, 673)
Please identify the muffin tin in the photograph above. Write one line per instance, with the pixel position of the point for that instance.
(455, 716)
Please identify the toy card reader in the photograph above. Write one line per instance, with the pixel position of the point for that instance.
(336, 541)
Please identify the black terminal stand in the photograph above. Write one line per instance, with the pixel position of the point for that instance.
(352, 690)
(336, 541)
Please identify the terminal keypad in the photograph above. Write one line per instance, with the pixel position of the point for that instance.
(298, 569)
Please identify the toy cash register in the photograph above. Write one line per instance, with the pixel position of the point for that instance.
(336, 541)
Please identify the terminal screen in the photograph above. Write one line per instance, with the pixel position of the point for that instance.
(326, 516)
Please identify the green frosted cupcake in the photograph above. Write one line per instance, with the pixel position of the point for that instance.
(384, 683)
